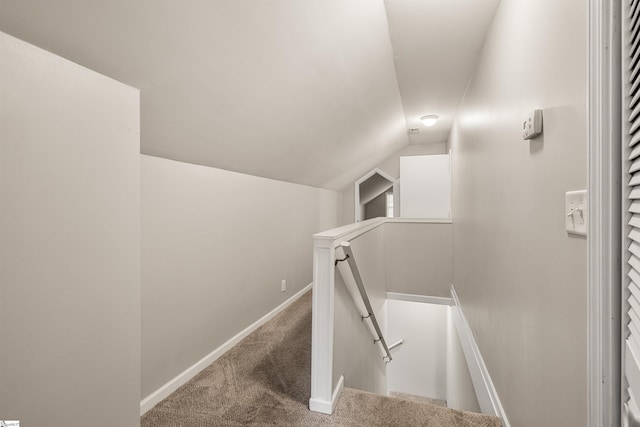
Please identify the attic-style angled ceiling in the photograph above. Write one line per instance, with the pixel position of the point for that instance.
(302, 91)
(436, 44)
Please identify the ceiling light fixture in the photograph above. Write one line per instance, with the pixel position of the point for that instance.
(429, 120)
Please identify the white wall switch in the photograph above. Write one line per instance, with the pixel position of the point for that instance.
(532, 125)
(576, 212)
(283, 286)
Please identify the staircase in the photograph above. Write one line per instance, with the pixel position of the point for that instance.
(266, 380)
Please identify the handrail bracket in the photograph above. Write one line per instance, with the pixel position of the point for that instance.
(340, 260)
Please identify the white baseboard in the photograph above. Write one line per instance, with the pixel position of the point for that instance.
(485, 390)
(325, 407)
(419, 298)
(163, 392)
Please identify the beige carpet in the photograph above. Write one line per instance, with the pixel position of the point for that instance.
(265, 380)
(418, 399)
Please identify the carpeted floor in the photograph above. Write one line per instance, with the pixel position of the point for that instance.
(266, 380)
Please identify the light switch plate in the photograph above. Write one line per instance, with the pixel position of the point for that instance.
(532, 125)
(576, 212)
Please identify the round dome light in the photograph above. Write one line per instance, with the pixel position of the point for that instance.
(429, 120)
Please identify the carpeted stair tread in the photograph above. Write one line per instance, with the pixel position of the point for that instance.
(416, 398)
(266, 380)
(378, 410)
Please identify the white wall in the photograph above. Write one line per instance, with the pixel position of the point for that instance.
(520, 277)
(419, 258)
(377, 207)
(419, 366)
(431, 361)
(70, 245)
(460, 392)
(215, 246)
(356, 357)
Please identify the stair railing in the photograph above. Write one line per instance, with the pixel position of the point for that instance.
(351, 260)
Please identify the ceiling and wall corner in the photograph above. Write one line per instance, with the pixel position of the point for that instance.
(314, 92)
(436, 44)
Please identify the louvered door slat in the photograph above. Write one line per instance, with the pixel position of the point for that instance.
(634, 235)
(633, 302)
(635, 37)
(632, 330)
(633, 287)
(635, 277)
(635, 264)
(633, 336)
(634, 86)
(635, 71)
(634, 20)
(634, 317)
(634, 7)
(634, 100)
(632, 324)
(634, 248)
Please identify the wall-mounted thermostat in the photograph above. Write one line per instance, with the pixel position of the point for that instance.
(532, 125)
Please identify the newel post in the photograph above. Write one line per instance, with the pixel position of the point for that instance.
(322, 326)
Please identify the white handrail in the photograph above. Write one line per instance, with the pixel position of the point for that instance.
(351, 260)
(349, 232)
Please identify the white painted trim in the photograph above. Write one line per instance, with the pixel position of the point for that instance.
(356, 202)
(322, 319)
(419, 298)
(351, 231)
(356, 194)
(418, 220)
(396, 198)
(485, 390)
(376, 171)
(604, 228)
(337, 392)
(325, 406)
(348, 232)
(163, 392)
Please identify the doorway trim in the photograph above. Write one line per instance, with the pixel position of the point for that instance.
(358, 206)
(605, 228)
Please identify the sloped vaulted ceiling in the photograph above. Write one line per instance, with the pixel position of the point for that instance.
(436, 44)
(302, 91)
